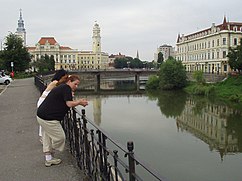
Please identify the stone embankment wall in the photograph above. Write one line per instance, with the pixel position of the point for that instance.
(210, 78)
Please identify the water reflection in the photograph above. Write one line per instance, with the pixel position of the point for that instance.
(165, 125)
(212, 124)
(171, 103)
(218, 125)
(97, 107)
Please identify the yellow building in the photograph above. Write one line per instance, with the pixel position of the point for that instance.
(207, 49)
(68, 58)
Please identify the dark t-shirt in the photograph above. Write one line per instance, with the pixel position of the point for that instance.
(54, 106)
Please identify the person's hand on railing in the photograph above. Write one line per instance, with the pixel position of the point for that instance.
(83, 102)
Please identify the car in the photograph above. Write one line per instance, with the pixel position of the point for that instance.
(5, 79)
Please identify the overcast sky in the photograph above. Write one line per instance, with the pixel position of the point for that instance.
(126, 25)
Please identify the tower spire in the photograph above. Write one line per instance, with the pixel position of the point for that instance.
(137, 55)
(20, 29)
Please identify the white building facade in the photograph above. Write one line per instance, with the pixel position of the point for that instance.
(207, 49)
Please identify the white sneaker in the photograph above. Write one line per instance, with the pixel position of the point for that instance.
(53, 161)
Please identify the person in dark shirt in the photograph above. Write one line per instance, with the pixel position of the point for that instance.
(51, 112)
(59, 77)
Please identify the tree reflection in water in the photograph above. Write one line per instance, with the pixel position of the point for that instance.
(214, 122)
(171, 103)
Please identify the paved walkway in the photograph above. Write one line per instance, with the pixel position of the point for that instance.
(21, 157)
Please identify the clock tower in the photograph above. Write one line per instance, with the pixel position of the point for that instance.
(96, 39)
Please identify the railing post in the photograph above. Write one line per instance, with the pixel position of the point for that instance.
(86, 143)
(100, 151)
(105, 155)
(130, 146)
(115, 164)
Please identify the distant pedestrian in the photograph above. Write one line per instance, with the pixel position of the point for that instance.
(12, 74)
(56, 80)
(51, 112)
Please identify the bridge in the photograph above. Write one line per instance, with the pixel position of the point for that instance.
(99, 74)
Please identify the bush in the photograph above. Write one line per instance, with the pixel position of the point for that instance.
(205, 90)
(172, 75)
(234, 98)
(152, 83)
(198, 76)
(22, 75)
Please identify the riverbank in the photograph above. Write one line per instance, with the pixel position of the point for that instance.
(227, 90)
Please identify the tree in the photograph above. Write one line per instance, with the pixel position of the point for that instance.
(172, 74)
(235, 57)
(160, 58)
(120, 63)
(15, 52)
(45, 63)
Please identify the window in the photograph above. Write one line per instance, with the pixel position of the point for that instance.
(225, 68)
(217, 42)
(224, 41)
(235, 41)
(213, 43)
(224, 54)
(217, 54)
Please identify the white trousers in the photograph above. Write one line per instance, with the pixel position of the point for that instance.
(53, 135)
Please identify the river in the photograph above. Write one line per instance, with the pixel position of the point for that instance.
(184, 138)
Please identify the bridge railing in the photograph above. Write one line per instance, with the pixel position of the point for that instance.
(39, 83)
(101, 157)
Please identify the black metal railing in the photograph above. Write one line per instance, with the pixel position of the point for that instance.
(40, 83)
(97, 154)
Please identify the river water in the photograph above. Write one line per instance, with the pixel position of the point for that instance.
(184, 138)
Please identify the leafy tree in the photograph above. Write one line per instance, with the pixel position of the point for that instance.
(160, 58)
(235, 57)
(172, 74)
(45, 63)
(120, 63)
(15, 52)
(136, 63)
(152, 83)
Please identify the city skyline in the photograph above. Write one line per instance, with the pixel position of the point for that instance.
(126, 27)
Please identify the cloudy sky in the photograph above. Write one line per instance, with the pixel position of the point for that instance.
(126, 25)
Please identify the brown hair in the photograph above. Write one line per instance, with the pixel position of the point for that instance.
(66, 78)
